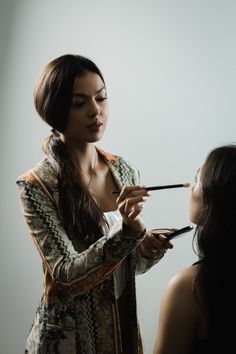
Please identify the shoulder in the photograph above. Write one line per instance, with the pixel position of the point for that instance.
(43, 171)
(119, 163)
(183, 280)
(179, 317)
(112, 158)
(179, 290)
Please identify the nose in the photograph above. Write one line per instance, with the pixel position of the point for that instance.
(93, 109)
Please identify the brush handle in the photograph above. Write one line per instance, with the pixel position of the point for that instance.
(155, 188)
(179, 232)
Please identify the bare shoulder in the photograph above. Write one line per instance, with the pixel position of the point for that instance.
(180, 287)
(185, 276)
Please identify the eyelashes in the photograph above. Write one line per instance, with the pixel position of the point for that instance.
(82, 103)
(77, 104)
(101, 99)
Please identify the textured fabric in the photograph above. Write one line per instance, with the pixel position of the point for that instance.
(78, 312)
(120, 274)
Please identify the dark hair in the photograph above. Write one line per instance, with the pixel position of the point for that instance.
(53, 92)
(214, 239)
(80, 213)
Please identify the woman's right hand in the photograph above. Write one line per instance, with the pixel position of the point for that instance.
(130, 204)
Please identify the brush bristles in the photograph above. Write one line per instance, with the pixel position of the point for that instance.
(186, 185)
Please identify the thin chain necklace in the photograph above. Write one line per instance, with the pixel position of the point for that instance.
(93, 170)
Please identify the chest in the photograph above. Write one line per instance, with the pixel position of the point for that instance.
(101, 187)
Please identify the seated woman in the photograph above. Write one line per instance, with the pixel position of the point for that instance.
(198, 300)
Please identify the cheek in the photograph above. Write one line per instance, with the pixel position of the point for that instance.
(74, 118)
(195, 208)
(105, 113)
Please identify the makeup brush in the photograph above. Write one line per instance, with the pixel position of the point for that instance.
(155, 188)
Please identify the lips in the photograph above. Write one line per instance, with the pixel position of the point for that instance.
(94, 126)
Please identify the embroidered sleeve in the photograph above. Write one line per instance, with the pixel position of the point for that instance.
(143, 264)
(79, 272)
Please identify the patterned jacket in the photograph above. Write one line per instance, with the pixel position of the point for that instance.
(78, 312)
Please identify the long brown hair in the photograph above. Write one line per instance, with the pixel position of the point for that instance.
(214, 237)
(80, 214)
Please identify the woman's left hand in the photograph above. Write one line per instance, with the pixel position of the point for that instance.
(155, 243)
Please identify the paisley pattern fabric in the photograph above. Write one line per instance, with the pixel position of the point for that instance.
(78, 312)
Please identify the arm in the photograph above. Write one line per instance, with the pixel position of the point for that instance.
(178, 316)
(76, 271)
(152, 248)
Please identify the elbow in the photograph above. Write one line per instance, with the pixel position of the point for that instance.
(64, 274)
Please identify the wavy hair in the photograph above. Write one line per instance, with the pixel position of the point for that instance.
(79, 212)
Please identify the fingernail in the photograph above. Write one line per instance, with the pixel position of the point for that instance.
(163, 237)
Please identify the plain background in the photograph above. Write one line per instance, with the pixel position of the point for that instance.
(170, 69)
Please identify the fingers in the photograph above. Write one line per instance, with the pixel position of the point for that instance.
(159, 235)
(130, 201)
(164, 240)
(132, 191)
(160, 244)
(149, 248)
(135, 211)
(154, 246)
(132, 204)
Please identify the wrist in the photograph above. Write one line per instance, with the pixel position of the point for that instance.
(130, 232)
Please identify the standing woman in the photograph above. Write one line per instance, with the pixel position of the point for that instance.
(197, 304)
(91, 242)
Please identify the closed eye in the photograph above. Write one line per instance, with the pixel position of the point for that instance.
(78, 104)
(101, 99)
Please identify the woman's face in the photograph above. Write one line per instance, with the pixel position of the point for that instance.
(196, 206)
(88, 114)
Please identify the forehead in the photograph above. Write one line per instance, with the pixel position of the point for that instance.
(89, 83)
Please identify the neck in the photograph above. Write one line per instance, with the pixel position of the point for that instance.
(86, 161)
(84, 157)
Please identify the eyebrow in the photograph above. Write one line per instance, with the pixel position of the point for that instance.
(75, 94)
(197, 173)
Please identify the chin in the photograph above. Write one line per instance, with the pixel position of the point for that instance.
(194, 219)
(95, 138)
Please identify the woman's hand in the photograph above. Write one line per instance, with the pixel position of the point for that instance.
(130, 204)
(155, 243)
